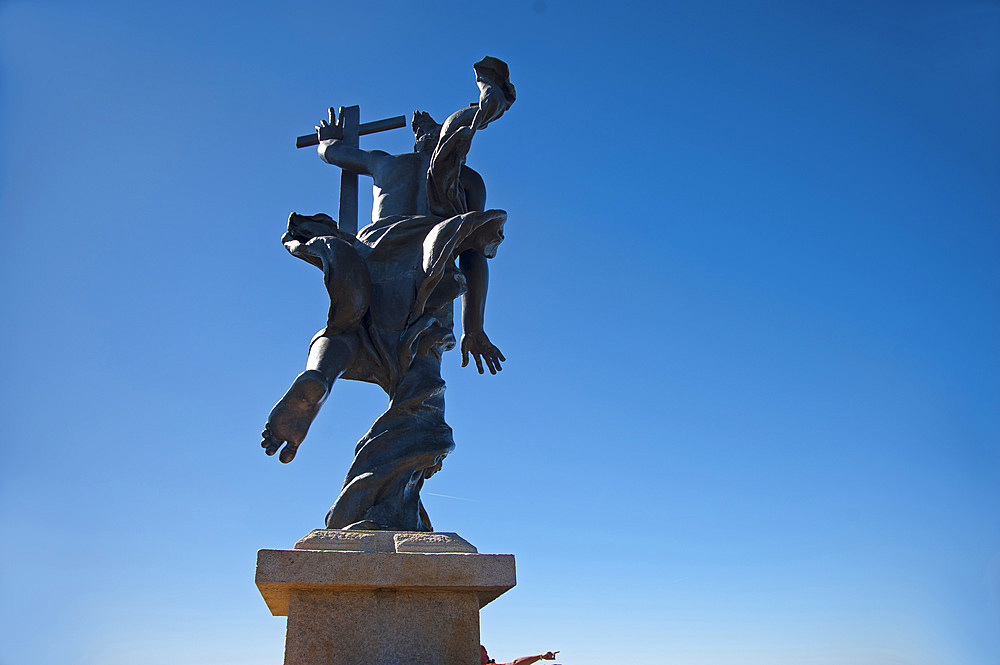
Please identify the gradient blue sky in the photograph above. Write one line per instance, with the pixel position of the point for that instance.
(750, 299)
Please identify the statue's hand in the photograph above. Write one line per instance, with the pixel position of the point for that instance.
(323, 125)
(323, 143)
(481, 348)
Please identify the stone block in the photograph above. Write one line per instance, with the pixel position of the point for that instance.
(381, 597)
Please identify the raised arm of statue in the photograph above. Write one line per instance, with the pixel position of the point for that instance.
(347, 156)
(496, 94)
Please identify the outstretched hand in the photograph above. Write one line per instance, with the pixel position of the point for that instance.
(481, 348)
(549, 655)
(324, 124)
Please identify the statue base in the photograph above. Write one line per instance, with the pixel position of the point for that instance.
(381, 597)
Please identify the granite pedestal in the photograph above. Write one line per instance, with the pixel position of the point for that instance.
(381, 597)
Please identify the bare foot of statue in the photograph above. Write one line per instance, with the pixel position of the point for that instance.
(290, 418)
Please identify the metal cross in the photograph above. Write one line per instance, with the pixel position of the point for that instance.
(348, 129)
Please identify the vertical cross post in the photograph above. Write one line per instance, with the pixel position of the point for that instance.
(350, 118)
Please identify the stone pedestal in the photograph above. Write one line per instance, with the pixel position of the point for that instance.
(381, 597)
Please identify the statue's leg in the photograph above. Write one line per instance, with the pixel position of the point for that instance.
(330, 353)
(291, 417)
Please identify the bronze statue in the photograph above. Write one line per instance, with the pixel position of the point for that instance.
(392, 287)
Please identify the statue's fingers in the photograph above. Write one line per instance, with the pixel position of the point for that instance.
(465, 357)
(479, 362)
(500, 355)
(489, 363)
(496, 363)
(333, 115)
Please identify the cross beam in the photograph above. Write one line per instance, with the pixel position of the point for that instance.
(348, 129)
(334, 132)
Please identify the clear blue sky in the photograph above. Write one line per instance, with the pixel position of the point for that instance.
(750, 299)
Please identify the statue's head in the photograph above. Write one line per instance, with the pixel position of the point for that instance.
(486, 238)
(425, 132)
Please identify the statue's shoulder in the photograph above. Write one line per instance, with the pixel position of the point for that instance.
(410, 157)
(403, 161)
